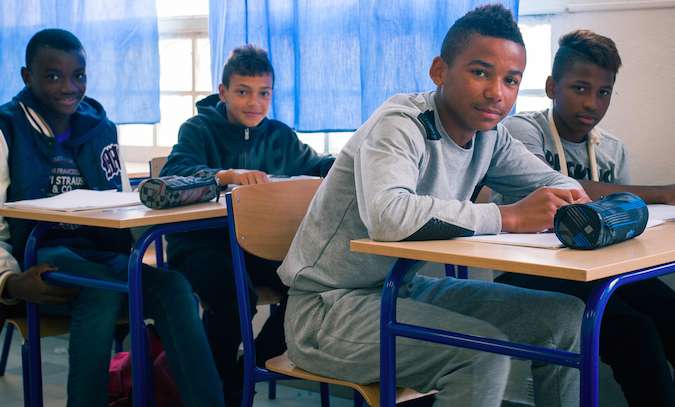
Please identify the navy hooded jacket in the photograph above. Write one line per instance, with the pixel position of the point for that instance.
(208, 143)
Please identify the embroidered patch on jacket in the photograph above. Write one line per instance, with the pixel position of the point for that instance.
(429, 123)
(110, 161)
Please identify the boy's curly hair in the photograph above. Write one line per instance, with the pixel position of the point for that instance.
(585, 46)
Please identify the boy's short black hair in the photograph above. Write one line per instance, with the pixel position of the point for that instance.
(585, 46)
(491, 21)
(247, 61)
(52, 38)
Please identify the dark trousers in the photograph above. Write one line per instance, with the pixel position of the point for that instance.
(637, 334)
(209, 270)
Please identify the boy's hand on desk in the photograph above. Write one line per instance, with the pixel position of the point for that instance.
(535, 212)
(242, 177)
(29, 286)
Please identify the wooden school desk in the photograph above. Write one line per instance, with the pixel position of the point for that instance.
(192, 217)
(648, 256)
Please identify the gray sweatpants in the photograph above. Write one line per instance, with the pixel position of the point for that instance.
(336, 334)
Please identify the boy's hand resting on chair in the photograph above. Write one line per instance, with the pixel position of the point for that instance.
(535, 212)
(29, 286)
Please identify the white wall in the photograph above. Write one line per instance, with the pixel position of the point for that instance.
(642, 112)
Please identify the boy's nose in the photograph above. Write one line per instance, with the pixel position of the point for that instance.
(69, 86)
(494, 91)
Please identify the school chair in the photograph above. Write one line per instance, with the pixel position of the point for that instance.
(263, 220)
(49, 326)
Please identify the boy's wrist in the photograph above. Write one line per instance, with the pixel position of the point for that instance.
(508, 218)
(7, 295)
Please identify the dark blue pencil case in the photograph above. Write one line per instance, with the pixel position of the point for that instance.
(612, 219)
(172, 191)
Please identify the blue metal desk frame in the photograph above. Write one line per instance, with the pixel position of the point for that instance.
(586, 361)
(142, 396)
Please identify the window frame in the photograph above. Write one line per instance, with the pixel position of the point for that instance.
(192, 27)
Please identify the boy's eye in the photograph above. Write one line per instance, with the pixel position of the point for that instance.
(605, 92)
(241, 92)
(579, 88)
(81, 77)
(511, 81)
(265, 93)
(53, 77)
(479, 73)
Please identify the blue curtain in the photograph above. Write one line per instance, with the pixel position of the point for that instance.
(336, 61)
(121, 41)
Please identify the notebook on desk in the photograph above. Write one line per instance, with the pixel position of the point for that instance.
(79, 200)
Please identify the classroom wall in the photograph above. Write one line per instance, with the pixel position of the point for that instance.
(642, 112)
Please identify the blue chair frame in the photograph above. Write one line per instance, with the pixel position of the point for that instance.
(252, 373)
(141, 373)
(586, 361)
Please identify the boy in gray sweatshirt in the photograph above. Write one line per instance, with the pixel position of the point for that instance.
(408, 174)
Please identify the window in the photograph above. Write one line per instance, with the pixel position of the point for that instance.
(185, 78)
(536, 32)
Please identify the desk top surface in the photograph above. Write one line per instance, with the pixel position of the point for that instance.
(654, 247)
(123, 217)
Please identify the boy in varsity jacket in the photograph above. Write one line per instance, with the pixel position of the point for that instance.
(567, 138)
(54, 140)
(231, 139)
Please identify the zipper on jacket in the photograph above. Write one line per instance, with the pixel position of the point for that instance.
(246, 134)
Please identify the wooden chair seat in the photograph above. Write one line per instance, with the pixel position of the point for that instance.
(369, 392)
(49, 325)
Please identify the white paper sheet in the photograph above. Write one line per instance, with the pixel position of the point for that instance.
(80, 200)
(665, 212)
(541, 240)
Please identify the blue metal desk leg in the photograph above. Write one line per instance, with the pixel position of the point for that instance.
(590, 342)
(590, 327)
(32, 313)
(388, 341)
(139, 354)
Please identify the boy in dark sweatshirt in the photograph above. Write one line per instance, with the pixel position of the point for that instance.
(231, 139)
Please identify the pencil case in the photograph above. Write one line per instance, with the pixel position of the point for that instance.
(173, 190)
(612, 219)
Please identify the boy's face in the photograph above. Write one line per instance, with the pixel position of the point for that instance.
(57, 79)
(480, 86)
(580, 98)
(247, 98)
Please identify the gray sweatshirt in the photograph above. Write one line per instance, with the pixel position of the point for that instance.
(401, 177)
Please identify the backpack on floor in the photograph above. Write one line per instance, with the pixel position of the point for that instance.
(120, 384)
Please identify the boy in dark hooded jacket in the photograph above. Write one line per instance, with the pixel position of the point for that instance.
(231, 139)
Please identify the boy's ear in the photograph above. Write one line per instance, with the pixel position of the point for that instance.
(437, 71)
(221, 93)
(25, 75)
(550, 87)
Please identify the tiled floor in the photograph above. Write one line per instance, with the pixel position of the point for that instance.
(54, 368)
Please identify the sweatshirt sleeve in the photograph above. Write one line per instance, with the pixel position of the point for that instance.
(302, 159)
(387, 170)
(188, 156)
(8, 265)
(516, 172)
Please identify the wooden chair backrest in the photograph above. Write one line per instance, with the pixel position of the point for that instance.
(156, 165)
(268, 215)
